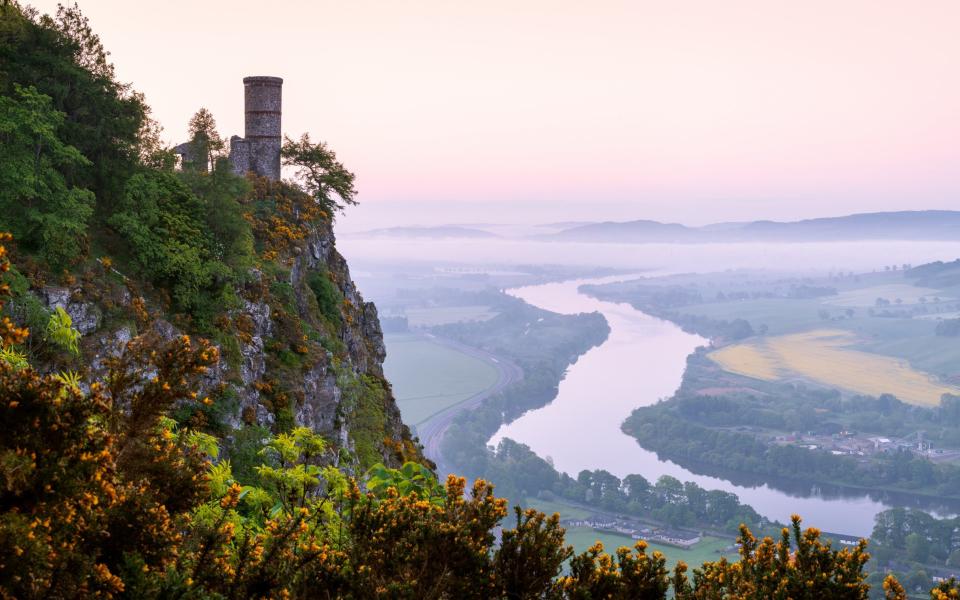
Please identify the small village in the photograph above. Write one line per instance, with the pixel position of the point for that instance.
(852, 443)
(679, 538)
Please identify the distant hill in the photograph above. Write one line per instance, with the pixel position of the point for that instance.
(439, 232)
(936, 274)
(903, 225)
(629, 231)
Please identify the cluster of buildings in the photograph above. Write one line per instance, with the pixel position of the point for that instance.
(671, 537)
(849, 443)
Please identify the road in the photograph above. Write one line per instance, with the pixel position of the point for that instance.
(431, 431)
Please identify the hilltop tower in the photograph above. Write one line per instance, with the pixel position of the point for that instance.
(259, 149)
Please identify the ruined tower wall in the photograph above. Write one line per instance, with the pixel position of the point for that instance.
(239, 155)
(262, 101)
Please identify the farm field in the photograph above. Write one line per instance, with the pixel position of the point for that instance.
(867, 296)
(912, 340)
(825, 356)
(777, 314)
(566, 511)
(428, 377)
(939, 316)
(709, 549)
(441, 315)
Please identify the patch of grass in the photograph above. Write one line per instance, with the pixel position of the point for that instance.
(428, 377)
(274, 271)
(329, 298)
(779, 315)
(290, 359)
(909, 339)
(867, 296)
(549, 507)
(368, 420)
(229, 348)
(752, 360)
(441, 315)
(283, 291)
(333, 346)
(709, 549)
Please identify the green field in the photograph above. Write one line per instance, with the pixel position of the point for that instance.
(428, 377)
(566, 511)
(779, 315)
(709, 549)
(441, 315)
(867, 296)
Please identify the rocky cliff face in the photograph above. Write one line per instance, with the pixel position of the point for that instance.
(300, 346)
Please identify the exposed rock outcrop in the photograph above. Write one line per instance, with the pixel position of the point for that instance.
(333, 384)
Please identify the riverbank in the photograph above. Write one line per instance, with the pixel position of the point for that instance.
(781, 424)
(641, 362)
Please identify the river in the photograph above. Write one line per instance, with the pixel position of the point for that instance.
(641, 362)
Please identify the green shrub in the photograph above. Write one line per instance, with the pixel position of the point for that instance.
(329, 298)
(243, 448)
(283, 418)
(283, 291)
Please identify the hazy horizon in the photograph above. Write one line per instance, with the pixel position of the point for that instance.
(546, 112)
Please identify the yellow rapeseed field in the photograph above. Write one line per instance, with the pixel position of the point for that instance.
(823, 356)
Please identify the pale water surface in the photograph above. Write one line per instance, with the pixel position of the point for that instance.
(642, 361)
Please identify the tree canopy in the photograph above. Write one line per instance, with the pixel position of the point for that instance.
(322, 175)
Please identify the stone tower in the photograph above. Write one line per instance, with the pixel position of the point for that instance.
(259, 150)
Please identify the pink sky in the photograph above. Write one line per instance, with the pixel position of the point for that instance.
(547, 110)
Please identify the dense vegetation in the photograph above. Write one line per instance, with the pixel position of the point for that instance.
(83, 173)
(915, 545)
(102, 215)
(737, 431)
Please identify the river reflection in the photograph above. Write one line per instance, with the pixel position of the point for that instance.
(643, 361)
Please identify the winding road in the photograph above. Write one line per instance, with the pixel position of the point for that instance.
(431, 431)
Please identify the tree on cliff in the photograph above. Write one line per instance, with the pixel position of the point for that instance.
(322, 175)
(206, 145)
